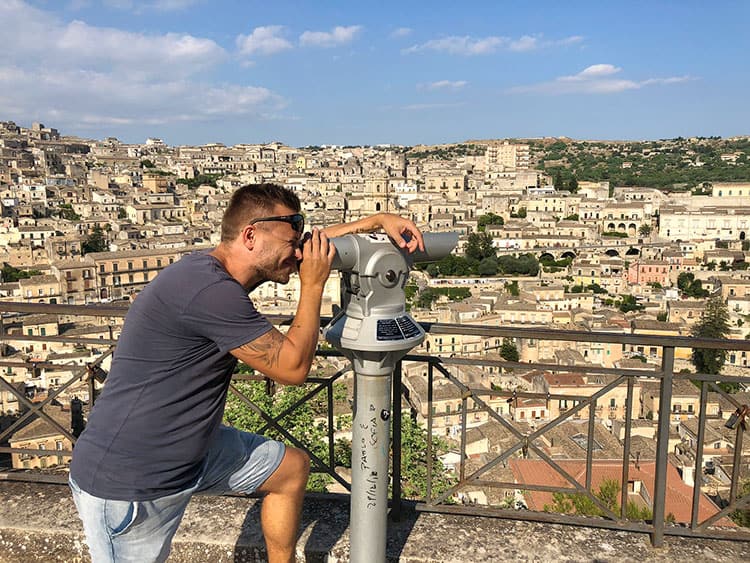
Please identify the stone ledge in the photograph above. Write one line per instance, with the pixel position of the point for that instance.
(38, 522)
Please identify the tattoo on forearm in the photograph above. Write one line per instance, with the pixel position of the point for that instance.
(267, 347)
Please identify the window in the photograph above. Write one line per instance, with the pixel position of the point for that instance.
(158, 262)
(115, 266)
(130, 265)
(101, 268)
(145, 264)
(612, 403)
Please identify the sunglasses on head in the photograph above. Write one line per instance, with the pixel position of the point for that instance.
(297, 221)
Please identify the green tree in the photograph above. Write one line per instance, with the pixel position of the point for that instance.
(714, 323)
(583, 505)
(690, 286)
(489, 219)
(479, 246)
(509, 350)
(451, 265)
(200, 180)
(410, 291)
(596, 288)
(488, 267)
(414, 461)
(95, 242)
(67, 212)
(455, 293)
(629, 303)
(524, 265)
(644, 230)
(13, 274)
(558, 180)
(512, 288)
(427, 297)
(300, 423)
(741, 517)
(342, 453)
(573, 185)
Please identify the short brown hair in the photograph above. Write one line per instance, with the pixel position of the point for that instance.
(252, 202)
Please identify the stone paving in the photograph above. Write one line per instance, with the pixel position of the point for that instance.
(38, 523)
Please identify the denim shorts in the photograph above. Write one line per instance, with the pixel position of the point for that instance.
(142, 531)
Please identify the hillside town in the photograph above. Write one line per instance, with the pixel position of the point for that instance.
(91, 222)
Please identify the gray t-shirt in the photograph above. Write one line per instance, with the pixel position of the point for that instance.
(163, 400)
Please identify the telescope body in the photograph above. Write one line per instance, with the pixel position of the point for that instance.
(374, 331)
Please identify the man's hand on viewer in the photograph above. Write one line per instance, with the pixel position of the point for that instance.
(396, 227)
(317, 256)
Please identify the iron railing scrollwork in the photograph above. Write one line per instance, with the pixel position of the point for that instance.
(524, 445)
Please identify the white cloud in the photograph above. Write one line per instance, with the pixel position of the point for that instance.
(337, 36)
(172, 5)
(83, 97)
(75, 74)
(422, 107)
(595, 79)
(135, 52)
(525, 43)
(153, 5)
(469, 46)
(401, 32)
(446, 85)
(593, 72)
(264, 40)
(455, 45)
(669, 80)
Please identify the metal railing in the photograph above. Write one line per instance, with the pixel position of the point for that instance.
(527, 443)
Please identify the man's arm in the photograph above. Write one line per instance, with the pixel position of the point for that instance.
(287, 358)
(394, 226)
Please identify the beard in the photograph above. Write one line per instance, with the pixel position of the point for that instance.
(278, 274)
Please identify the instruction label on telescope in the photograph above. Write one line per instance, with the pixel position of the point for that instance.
(400, 328)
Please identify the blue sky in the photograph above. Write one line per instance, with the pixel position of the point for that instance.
(329, 72)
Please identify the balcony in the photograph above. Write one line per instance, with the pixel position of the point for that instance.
(468, 518)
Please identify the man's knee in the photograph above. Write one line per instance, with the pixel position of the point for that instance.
(299, 463)
(291, 474)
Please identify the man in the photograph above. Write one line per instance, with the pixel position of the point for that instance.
(154, 437)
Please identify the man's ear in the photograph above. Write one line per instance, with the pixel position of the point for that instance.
(248, 236)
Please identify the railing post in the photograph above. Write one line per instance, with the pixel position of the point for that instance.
(662, 446)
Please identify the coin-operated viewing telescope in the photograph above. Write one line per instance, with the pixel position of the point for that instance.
(374, 331)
